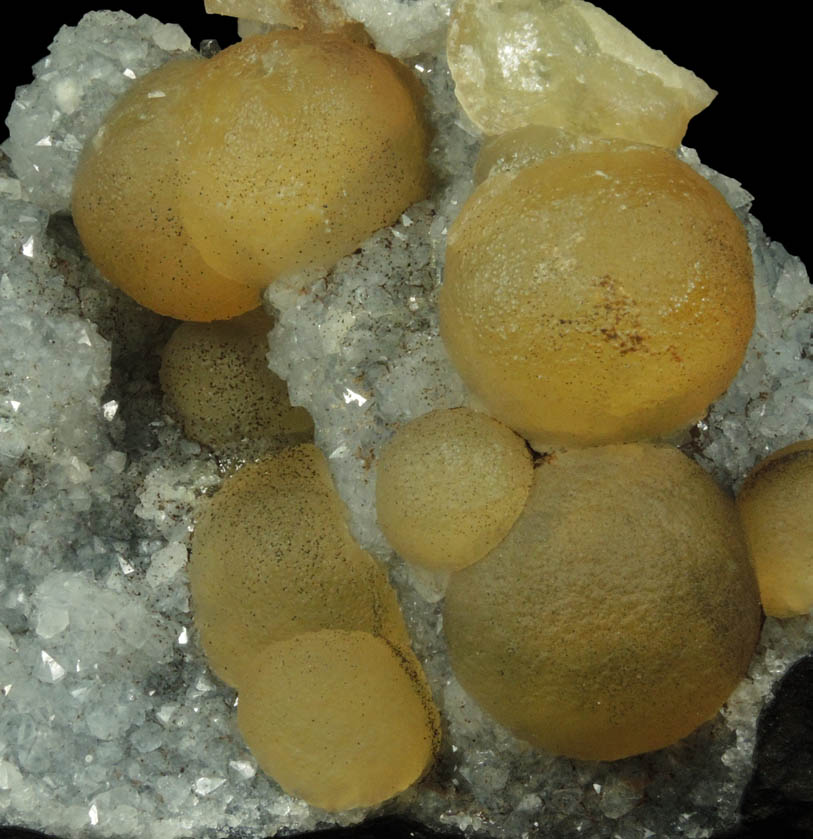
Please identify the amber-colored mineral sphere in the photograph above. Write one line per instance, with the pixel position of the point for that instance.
(125, 205)
(300, 145)
(620, 611)
(216, 381)
(341, 719)
(449, 486)
(211, 179)
(776, 507)
(598, 297)
(272, 557)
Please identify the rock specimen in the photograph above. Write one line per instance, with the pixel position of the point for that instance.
(776, 507)
(209, 180)
(449, 486)
(617, 615)
(567, 64)
(341, 719)
(217, 384)
(597, 297)
(272, 558)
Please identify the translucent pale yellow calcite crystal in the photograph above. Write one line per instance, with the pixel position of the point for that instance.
(776, 507)
(341, 719)
(569, 64)
(217, 383)
(272, 557)
(449, 485)
(619, 612)
(598, 297)
(211, 179)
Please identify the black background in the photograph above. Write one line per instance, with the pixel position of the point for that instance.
(754, 131)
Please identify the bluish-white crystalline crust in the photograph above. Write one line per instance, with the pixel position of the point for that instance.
(109, 719)
(74, 85)
(402, 29)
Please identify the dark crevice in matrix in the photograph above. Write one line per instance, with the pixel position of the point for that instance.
(136, 336)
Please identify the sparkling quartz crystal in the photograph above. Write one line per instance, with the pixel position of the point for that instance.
(569, 64)
(52, 118)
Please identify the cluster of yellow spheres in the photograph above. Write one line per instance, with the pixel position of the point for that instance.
(211, 179)
(207, 181)
(597, 298)
(304, 623)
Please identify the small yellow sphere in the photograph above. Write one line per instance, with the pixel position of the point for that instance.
(597, 297)
(340, 719)
(449, 486)
(776, 507)
(619, 612)
(217, 383)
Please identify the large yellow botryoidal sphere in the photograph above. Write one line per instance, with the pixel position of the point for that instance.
(617, 615)
(776, 507)
(272, 557)
(598, 297)
(211, 179)
(341, 719)
(449, 485)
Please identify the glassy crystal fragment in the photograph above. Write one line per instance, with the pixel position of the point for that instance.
(297, 13)
(567, 64)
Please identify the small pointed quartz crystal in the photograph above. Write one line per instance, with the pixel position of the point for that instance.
(569, 64)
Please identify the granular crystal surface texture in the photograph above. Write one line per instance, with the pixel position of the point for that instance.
(74, 85)
(597, 297)
(111, 721)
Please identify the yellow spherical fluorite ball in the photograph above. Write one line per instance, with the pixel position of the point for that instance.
(776, 507)
(272, 557)
(619, 612)
(217, 383)
(211, 179)
(341, 719)
(449, 486)
(597, 297)
(125, 205)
